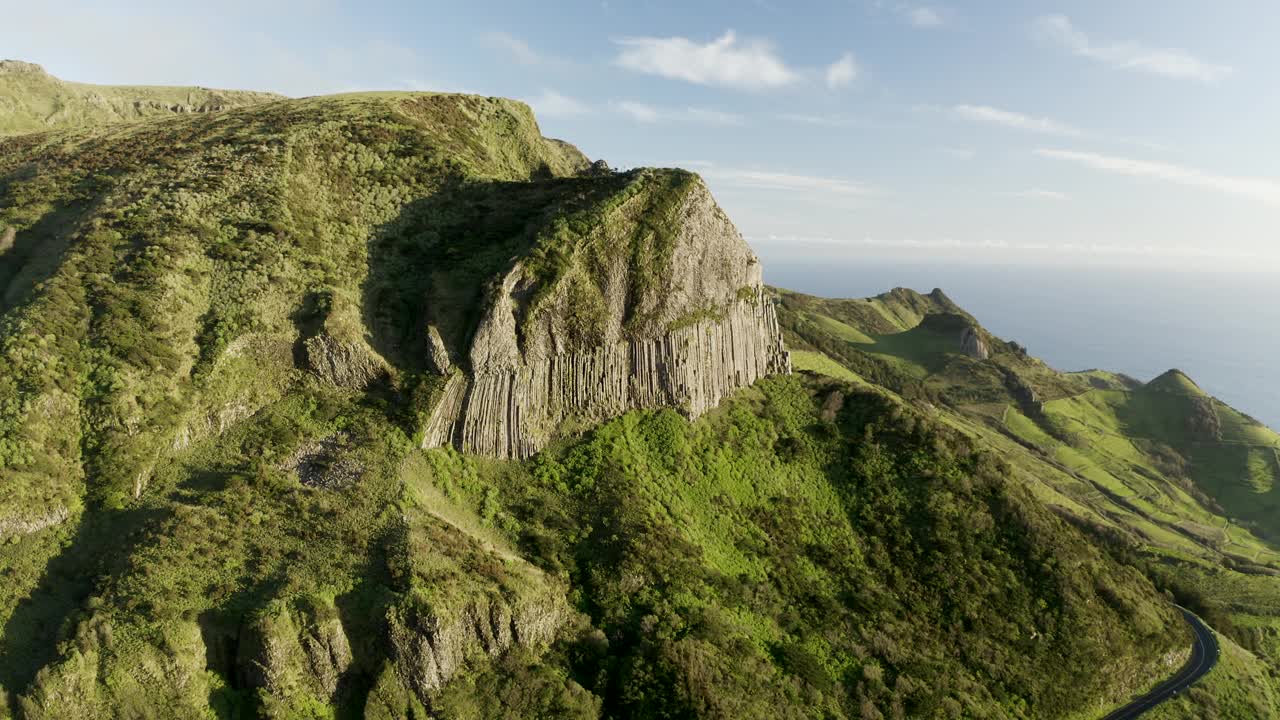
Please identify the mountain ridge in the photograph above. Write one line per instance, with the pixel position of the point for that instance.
(32, 100)
(1175, 480)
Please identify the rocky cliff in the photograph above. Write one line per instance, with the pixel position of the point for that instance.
(657, 302)
(972, 344)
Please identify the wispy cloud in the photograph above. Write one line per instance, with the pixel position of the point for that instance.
(747, 65)
(1038, 194)
(771, 180)
(513, 46)
(707, 116)
(1263, 189)
(1174, 63)
(552, 104)
(842, 72)
(638, 111)
(645, 113)
(1016, 120)
(924, 17)
(1024, 122)
(832, 121)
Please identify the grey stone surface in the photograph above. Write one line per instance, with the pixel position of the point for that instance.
(706, 330)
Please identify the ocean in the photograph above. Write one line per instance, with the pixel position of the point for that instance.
(1220, 328)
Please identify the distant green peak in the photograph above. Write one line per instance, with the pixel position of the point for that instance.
(1175, 381)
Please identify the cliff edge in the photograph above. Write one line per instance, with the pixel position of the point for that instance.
(648, 298)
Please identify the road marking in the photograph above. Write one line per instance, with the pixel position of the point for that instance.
(1204, 655)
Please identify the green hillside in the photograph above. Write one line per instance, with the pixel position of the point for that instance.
(1176, 481)
(227, 337)
(804, 547)
(31, 100)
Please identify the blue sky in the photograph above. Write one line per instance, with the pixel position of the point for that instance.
(1077, 131)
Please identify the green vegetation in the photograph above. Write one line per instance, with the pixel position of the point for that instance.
(816, 362)
(1173, 481)
(31, 100)
(786, 554)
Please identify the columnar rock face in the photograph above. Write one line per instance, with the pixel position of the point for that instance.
(513, 413)
(695, 328)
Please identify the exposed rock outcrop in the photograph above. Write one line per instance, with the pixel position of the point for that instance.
(437, 352)
(19, 525)
(684, 331)
(345, 364)
(429, 649)
(324, 463)
(1026, 397)
(599, 168)
(292, 654)
(972, 344)
(18, 67)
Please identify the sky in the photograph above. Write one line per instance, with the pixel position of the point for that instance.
(1073, 132)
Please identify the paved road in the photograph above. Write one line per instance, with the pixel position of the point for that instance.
(1204, 655)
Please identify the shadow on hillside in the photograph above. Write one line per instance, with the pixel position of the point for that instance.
(363, 615)
(221, 631)
(48, 615)
(361, 612)
(433, 263)
(38, 251)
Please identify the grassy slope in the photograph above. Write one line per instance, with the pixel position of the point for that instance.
(157, 265)
(163, 274)
(34, 101)
(1173, 478)
(741, 531)
(777, 558)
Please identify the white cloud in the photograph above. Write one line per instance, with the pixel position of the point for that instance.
(90, 42)
(639, 112)
(769, 180)
(1172, 63)
(819, 120)
(1038, 194)
(1018, 121)
(645, 113)
(1262, 189)
(747, 65)
(842, 72)
(552, 104)
(515, 47)
(711, 117)
(924, 17)
(1029, 123)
